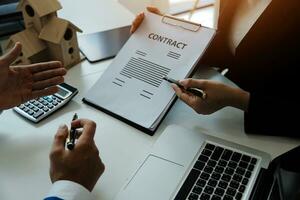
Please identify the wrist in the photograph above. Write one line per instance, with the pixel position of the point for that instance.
(240, 99)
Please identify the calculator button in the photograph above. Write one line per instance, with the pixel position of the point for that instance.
(30, 106)
(27, 104)
(45, 109)
(35, 103)
(54, 98)
(26, 109)
(40, 100)
(50, 106)
(21, 107)
(50, 100)
(45, 103)
(38, 114)
(40, 106)
(54, 103)
(30, 112)
(35, 109)
(58, 100)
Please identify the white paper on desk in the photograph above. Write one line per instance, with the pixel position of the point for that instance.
(132, 86)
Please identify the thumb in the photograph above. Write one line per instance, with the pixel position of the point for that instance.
(60, 138)
(13, 54)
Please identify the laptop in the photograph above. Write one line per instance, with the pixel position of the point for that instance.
(103, 45)
(187, 164)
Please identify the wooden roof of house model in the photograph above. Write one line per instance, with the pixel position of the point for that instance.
(31, 44)
(42, 7)
(55, 30)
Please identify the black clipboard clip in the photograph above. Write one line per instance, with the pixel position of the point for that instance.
(187, 25)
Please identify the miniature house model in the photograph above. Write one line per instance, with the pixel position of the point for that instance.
(46, 36)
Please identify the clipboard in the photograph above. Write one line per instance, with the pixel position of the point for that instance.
(102, 101)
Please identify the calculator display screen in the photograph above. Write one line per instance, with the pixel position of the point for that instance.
(63, 93)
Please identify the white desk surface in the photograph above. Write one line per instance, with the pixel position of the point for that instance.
(24, 147)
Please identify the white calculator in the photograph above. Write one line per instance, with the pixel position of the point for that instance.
(38, 109)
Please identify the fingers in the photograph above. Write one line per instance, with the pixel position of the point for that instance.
(154, 10)
(40, 67)
(45, 75)
(137, 22)
(40, 93)
(185, 97)
(12, 55)
(88, 132)
(60, 138)
(39, 85)
(194, 83)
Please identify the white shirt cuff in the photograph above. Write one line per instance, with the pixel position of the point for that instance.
(69, 190)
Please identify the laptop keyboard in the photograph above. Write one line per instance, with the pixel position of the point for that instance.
(218, 173)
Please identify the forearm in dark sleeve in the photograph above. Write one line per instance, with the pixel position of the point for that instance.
(271, 116)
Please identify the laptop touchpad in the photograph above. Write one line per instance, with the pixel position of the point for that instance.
(156, 179)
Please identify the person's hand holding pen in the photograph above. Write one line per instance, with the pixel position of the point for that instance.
(217, 96)
(81, 164)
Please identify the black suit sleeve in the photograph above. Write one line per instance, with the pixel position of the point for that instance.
(272, 115)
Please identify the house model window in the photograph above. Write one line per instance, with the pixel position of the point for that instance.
(29, 10)
(46, 37)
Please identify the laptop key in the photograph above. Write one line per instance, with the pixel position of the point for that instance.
(251, 167)
(238, 196)
(209, 190)
(227, 197)
(206, 152)
(229, 171)
(234, 184)
(242, 188)
(246, 158)
(215, 197)
(212, 163)
(245, 181)
(208, 169)
(231, 191)
(197, 190)
(219, 169)
(236, 157)
(237, 177)
(203, 158)
(217, 153)
(199, 165)
(205, 197)
(193, 196)
(223, 184)
(212, 182)
(204, 176)
(232, 164)
(201, 182)
(227, 154)
(216, 176)
(187, 185)
(226, 177)
(219, 191)
(210, 146)
(248, 174)
(222, 163)
(253, 161)
(240, 171)
(243, 164)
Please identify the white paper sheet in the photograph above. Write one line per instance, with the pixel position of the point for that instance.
(132, 86)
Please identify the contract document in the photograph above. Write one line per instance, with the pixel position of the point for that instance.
(132, 88)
